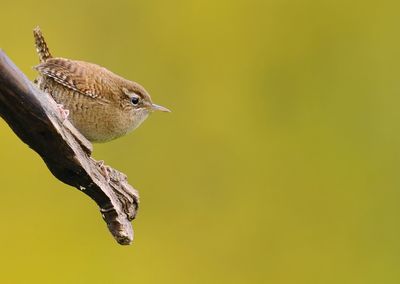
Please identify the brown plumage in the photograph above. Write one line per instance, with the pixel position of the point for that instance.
(102, 105)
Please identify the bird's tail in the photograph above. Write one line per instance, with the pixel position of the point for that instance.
(41, 46)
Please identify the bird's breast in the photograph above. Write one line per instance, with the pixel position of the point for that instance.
(98, 120)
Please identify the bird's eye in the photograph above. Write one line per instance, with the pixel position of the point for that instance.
(135, 100)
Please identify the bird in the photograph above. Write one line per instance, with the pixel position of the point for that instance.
(102, 105)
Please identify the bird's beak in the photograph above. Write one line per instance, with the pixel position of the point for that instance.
(155, 107)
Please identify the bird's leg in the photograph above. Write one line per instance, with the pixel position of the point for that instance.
(63, 112)
(103, 168)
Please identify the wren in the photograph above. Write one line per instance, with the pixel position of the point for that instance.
(100, 104)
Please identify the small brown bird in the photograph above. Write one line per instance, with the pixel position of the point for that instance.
(100, 104)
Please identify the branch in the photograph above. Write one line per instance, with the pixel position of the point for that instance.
(33, 116)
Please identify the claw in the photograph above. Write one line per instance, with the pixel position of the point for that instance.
(63, 112)
(104, 169)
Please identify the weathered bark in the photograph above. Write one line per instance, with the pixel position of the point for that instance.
(34, 117)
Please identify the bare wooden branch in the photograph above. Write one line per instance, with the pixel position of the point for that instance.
(34, 117)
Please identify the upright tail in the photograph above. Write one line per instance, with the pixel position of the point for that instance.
(41, 46)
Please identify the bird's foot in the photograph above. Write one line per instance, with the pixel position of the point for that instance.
(105, 170)
(63, 112)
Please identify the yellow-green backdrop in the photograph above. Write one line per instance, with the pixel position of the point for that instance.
(278, 164)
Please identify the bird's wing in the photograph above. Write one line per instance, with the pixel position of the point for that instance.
(72, 74)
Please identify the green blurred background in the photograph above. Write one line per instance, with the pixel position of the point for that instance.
(278, 164)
